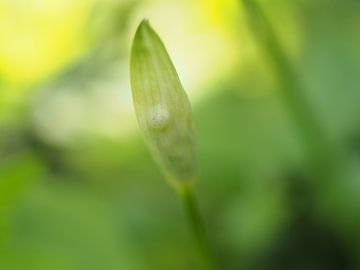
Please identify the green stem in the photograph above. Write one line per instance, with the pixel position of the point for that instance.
(326, 161)
(322, 157)
(196, 224)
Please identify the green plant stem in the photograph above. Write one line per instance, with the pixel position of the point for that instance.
(326, 162)
(322, 157)
(187, 196)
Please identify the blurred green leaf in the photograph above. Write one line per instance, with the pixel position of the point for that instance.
(16, 176)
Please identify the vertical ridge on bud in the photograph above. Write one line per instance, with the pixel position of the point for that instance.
(161, 105)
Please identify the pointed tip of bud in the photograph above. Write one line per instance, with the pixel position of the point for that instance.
(142, 32)
(145, 21)
(144, 25)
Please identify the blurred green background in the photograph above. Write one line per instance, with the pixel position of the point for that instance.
(78, 188)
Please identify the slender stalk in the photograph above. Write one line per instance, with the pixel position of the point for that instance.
(325, 160)
(196, 225)
(322, 157)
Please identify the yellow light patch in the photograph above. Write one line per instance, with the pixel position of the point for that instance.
(221, 12)
(38, 37)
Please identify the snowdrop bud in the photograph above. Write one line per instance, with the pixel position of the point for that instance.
(161, 105)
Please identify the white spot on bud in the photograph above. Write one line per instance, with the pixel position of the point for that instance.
(159, 117)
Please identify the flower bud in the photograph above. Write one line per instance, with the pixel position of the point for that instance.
(161, 105)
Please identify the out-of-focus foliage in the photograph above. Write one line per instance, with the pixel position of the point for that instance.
(78, 189)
